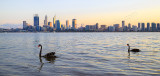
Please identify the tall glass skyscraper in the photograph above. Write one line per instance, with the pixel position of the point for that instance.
(153, 27)
(67, 24)
(54, 18)
(148, 26)
(36, 22)
(58, 25)
(123, 24)
(45, 21)
(143, 27)
(158, 27)
(74, 23)
(139, 25)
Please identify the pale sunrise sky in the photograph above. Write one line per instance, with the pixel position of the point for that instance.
(106, 12)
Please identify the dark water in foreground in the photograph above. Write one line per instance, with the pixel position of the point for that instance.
(80, 54)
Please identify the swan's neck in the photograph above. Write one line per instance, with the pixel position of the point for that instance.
(128, 48)
(40, 52)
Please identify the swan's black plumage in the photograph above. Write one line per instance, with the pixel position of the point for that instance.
(132, 50)
(48, 55)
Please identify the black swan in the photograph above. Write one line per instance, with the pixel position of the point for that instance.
(48, 55)
(133, 50)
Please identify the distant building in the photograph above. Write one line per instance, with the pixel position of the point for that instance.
(153, 27)
(139, 25)
(148, 26)
(87, 27)
(111, 28)
(24, 25)
(158, 27)
(123, 24)
(103, 27)
(58, 25)
(116, 27)
(50, 24)
(45, 21)
(63, 27)
(36, 22)
(97, 26)
(90, 27)
(74, 23)
(125, 28)
(120, 29)
(54, 18)
(143, 27)
(134, 28)
(129, 27)
(67, 24)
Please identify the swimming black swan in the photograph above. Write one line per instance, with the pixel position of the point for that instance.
(133, 50)
(48, 55)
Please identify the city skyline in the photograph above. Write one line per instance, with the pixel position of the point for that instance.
(104, 12)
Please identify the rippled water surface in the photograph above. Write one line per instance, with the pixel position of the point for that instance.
(79, 54)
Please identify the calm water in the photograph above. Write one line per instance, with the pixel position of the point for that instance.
(80, 54)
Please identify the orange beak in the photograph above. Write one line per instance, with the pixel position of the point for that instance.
(38, 46)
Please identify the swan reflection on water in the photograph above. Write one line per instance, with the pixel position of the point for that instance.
(51, 60)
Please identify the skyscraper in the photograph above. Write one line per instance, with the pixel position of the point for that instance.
(58, 25)
(74, 23)
(123, 24)
(139, 25)
(129, 27)
(143, 27)
(158, 27)
(24, 25)
(116, 27)
(67, 24)
(50, 24)
(54, 18)
(153, 27)
(45, 21)
(36, 22)
(148, 26)
(97, 26)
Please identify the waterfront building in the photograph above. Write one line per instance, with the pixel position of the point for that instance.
(50, 24)
(103, 27)
(158, 27)
(148, 27)
(36, 22)
(74, 23)
(116, 27)
(97, 26)
(67, 24)
(120, 29)
(125, 28)
(153, 27)
(58, 25)
(90, 27)
(129, 27)
(111, 28)
(45, 21)
(134, 28)
(54, 18)
(24, 25)
(143, 27)
(123, 24)
(139, 25)
(87, 27)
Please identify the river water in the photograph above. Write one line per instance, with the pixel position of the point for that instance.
(79, 54)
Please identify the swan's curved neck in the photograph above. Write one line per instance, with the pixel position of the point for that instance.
(128, 48)
(40, 52)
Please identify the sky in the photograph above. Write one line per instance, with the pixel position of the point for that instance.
(87, 12)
